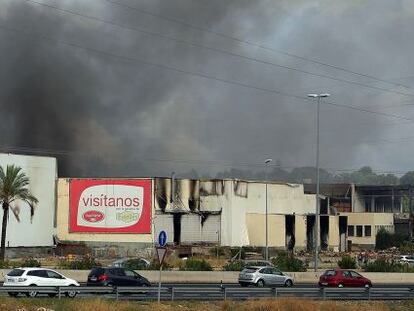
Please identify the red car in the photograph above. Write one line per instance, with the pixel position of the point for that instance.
(343, 278)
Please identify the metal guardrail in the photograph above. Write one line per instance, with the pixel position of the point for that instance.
(222, 293)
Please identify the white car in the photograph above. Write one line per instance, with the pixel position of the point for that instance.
(37, 277)
(406, 259)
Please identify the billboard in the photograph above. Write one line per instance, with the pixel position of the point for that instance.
(110, 205)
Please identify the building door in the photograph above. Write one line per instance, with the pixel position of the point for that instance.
(190, 228)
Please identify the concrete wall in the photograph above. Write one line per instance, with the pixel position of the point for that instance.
(256, 228)
(333, 238)
(186, 195)
(215, 277)
(233, 230)
(284, 199)
(300, 232)
(42, 174)
(243, 198)
(375, 220)
(63, 224)
(358, 203)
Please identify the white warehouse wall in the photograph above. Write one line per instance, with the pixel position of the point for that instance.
(42, 173)
(242, 198)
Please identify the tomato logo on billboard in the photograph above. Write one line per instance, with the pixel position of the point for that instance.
(93, 216)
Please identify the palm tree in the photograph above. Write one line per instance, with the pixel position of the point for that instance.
(13, 187)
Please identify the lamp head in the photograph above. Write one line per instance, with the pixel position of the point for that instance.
(318, 95)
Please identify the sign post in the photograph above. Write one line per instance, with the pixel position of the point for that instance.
(161, 251)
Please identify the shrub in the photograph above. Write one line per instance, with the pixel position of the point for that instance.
(238, 253)
(407, 247)
(287, 262)
(236, 265)
(4, 264)
(192, 264)
(30, 262)
(155, 265)
(383, 265)
(85, 263)
(135, 264)
(217, 251)
(347, 262)
(385, 239)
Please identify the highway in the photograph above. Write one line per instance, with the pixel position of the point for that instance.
(209, 292)
(301, 285)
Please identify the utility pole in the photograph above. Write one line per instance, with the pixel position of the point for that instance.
(267, 161)
(317, 210)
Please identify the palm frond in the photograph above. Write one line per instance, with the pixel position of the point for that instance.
(30, 198)
(2, 175)
(20, 181)
(16, 212)
(32, 208)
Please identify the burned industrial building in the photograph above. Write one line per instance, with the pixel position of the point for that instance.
(225, 212)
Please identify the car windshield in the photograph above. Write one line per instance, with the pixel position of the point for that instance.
(130, 273)
(16, 272)
(355, 274)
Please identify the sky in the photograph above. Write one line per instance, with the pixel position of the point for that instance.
(145, 87)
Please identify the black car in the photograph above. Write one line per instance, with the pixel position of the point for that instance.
(114, 276)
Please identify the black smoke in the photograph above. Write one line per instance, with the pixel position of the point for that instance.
(103, 115)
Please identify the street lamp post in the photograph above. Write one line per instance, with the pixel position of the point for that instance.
(267, 161)
(317, 211)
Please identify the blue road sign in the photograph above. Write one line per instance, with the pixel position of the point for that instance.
(162, 238)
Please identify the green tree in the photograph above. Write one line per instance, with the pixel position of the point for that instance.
(407, 178)
(307, 174)
(366, 176)
(405, 202)
(385, 239)
(13, 187)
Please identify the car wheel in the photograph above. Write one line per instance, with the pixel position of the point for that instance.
(340, 285)
(71, 293)
(260, 283)
(288, 283)
(32, 294)
(13, 294)
(144, 285)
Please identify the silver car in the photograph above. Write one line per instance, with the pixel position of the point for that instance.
(264, 276)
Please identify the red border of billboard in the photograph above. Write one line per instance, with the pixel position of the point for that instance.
(77, 186)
